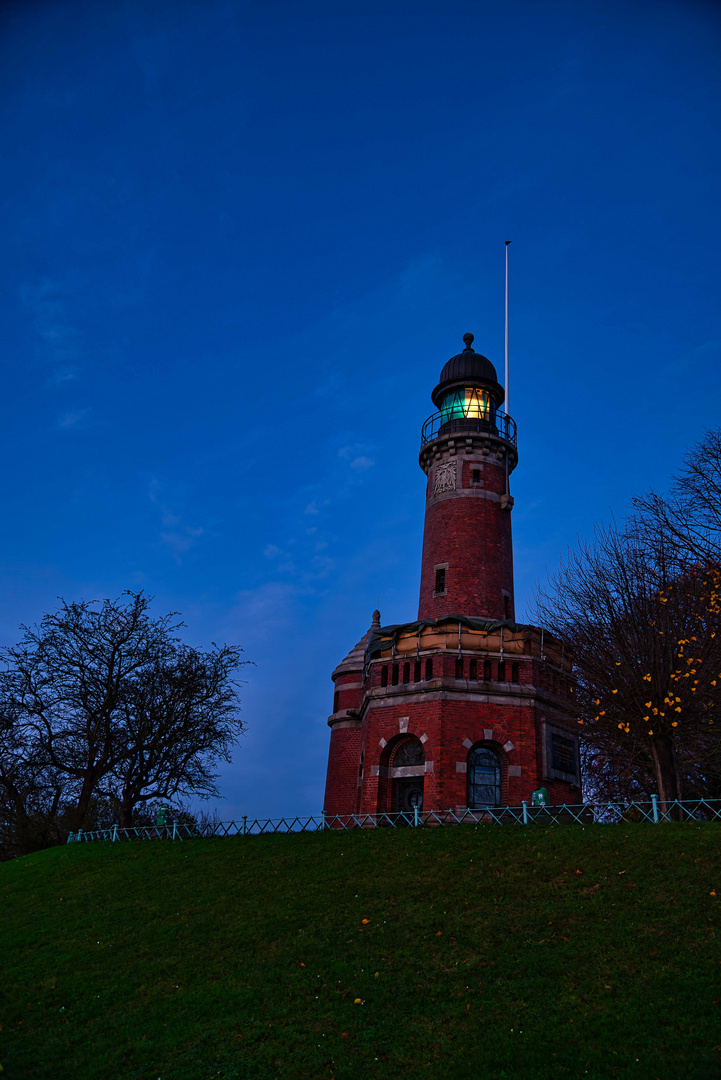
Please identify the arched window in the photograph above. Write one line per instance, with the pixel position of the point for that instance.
(406, 673)
(417, 671)
(395, 675)
(410, 752)
(384, 675)
(484, 778)
(429, 668)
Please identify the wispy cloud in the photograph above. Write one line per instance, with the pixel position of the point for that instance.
(176, 536)
(61, 342)
(182, 540)
(355, 454)
(72, 419)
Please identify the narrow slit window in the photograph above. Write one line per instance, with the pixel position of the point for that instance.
(514, 672)
(473, 669)
(384, 675)
(475, 476)
(395, 675)
(501, 670)
(406, 673)
(429, 668)
(440, 581)
(417, 671)
(336, 699)
(459, 667)
(487, 671)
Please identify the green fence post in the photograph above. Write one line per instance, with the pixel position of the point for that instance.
(415, 817)
(654, 803)
(175, 829)
(525, 812)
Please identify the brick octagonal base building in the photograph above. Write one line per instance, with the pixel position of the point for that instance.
(464, 707)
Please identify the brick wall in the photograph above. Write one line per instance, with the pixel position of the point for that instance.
(341, 786)
(512, 730)
(473, 537)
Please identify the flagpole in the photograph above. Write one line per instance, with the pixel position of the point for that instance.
(507, 401)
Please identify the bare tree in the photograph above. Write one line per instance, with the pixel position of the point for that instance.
(31, 793)
(107, 701)
(690, 514)
(179, 718)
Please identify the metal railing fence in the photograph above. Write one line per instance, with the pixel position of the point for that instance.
(499, 423)
(653, 811)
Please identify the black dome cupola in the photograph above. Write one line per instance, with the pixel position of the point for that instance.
(468, 371)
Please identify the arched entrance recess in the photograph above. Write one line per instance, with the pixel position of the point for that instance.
(408, 770)
(484, 778)
(402, 775)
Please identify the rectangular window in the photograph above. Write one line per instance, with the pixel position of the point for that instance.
(384, 675)
(417, 671)
(395, 674)
(563, 754)
(440, 581)
(429, 668)
(473, 669)
(336, 697)
(501, 670)
(459, 667)
(514, 672)
(406, 673)
(487, 671)
(475, 476)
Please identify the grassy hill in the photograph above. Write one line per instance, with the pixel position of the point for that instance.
(461, 952)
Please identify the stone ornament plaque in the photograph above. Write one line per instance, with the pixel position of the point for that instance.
(445, 478)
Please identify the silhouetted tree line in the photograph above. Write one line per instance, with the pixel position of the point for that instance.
(640, 606)
(104, 712)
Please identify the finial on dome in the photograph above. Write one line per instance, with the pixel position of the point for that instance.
(376, 618)
(468, 338)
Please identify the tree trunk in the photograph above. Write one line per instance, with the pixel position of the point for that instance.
(85, 799)
(126, 813)
(668, 780)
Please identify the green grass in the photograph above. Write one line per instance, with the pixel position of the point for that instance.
(485, 955)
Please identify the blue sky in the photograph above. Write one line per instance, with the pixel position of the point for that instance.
(240, 241)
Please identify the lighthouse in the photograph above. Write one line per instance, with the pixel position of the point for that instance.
(463, 708)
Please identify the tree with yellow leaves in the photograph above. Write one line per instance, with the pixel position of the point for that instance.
(643, 625)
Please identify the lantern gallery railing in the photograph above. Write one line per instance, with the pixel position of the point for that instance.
(653, 811)
(500, 425)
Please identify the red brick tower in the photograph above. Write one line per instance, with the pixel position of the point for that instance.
(463, 708)
(468, 451)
